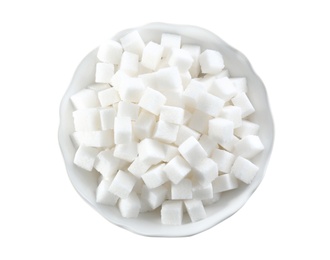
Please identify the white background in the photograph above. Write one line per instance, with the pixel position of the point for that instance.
(42, 216)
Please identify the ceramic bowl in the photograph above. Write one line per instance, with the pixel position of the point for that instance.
(149, 223)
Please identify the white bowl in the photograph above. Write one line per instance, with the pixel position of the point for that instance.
(149, 223)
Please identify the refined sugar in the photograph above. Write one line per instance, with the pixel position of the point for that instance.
(172, 114)
(106, 163)
(223, 88)
(131, 89)
(176, 169)
(232, 113)
(173, 98)
(211, 62)
(207, 81)
(216, 197)
(195, 209)
(241, 100)
(229, 146)
(104, 196)
(244, 170)
(127, 152)
(192, 151)
(240, 84)
(152, 55)
(133, 42)
(223, 73)
(138, 187)
(181, 59)
(169, 42)
(166, 132)
(152, 101)
(151, 151)
(85, 98)
(186, 117)
(110, 52)
(184, 133)
(205, 171)
(107, 116)
(77, 139)
(138, 167)
(199, 121)
(168, 79)
(129, 63)
(155, 197)
(221, 130)
(182, 190)
(185, 78)
(223, 159)
(118, 78)
(108, 97)
(122, 130)
(155, 176)
(104, 72)
(202, 192)
(149, 80)
(85, 157)
(128, 109)
(208, 144)
(86, 119)
(98, 138)
(171, 212)
(130, 207)
(170, 152)
(192, 92)
(224, 182)
(144, 125)
(246, 128)
(209, 104)
(249, 146)
(122, 184)
(194, 51)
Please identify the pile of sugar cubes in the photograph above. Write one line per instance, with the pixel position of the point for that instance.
(165, 126)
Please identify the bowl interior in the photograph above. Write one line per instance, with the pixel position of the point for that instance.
(149, 223)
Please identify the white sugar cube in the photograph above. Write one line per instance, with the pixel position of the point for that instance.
(129, 63)
(205, 171)
(169, 42)
(85, 98)
(180, 59)
(152, 101)
(209, 104)
(144, 125)
(229, 146)
(211, 62)
(166, 132)
(249, 146)
(85, 157)
(224, 182)
(131, 89)
(199, 121)
(128, 109)
(118, 78)
(104, 72)
(152, 55)
(192, 92)
(108, 97)
(98, 86)
(194, 51)
(110, 52)
(185, 78)
(216, 197)
(177, 169)
(192, 151)
(122, 130)
(107, 116)
(155, 176)
(223, 159)
(127, 152)
(168, 79)
(244, 170)
(232, 113)
(223, 73)
(122, 184)
(170, 152)
(171, 212)
(182, 190)
(241, 100)
(138, 167)
(155, 197)
(221, 130)
(246, 128)
(223, 88)
(172, 114)
(184, 133)
(98, 138)
(149, 79)
(151, 151)
(240, 84)
(106, 163)
(130, 207)
(208, 144)
(104, 196)
(77, 138)
(133, 42)
(86, 119)
(173, 98)
(202, 192)
(195, 209)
